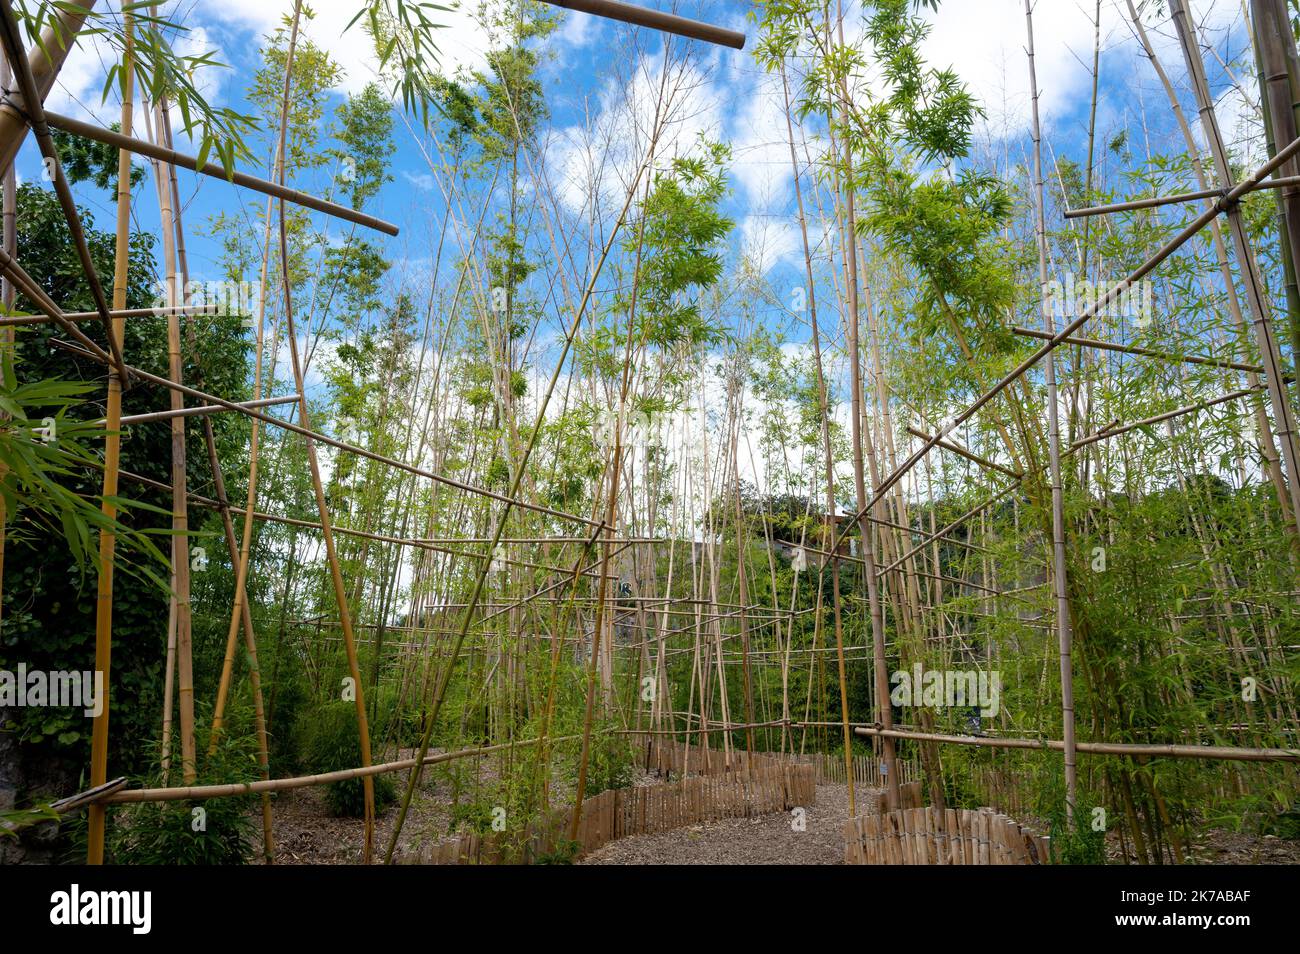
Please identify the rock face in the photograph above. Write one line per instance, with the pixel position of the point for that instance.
(20, 784)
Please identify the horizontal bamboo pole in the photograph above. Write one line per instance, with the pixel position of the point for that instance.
(1146, 352)
(963, 452)
(154, 151)
(99, 355)
(1113, 431)
(1152, 202)
(1225, 753)
(200, 411)
(160, 312)
(116, 796)
(232, 789)
(667, 22)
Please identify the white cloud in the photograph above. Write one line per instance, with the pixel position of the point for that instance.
(421, 180)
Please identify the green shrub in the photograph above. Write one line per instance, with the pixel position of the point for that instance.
(331, 743)
(215, 831)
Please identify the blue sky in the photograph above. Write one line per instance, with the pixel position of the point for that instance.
(586, 71)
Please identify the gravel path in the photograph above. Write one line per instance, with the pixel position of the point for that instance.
(765, 840)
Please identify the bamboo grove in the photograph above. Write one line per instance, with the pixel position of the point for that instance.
(458, 512)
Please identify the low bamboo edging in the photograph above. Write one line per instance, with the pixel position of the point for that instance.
(765, 785)
(932, 836)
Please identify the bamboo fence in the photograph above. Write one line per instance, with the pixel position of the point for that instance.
(767, 784)
(932, 836)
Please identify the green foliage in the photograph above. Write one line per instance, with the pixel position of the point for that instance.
(332, 742)
(216, 831)
(565, 852)
(158, 70)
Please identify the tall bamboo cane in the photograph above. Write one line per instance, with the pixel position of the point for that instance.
(112, 450)
(1063, 623)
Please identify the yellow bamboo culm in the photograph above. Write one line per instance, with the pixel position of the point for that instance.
(112, 450)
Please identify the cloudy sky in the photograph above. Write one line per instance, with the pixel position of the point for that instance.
(730, 98)
(588, 79)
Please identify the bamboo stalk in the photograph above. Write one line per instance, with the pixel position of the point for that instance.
(1278, 182)
(112, 449)
(1063, 621)
(1211, 752)
(170, 156)
(665, 22)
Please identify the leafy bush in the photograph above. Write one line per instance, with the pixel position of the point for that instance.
(564, 853)
(331, 743)
(216, 831)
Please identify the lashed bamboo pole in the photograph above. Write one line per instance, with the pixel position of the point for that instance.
(46, 58)
(1278, 182)
(1209, 752)
(654, 19)
(1064, 627)
(11, 39)
(965, 452)
(1265, 338)
(1115, 431)
(154, 312)
(170, 156)
(112, 448)
(1145, 352)
(202, 410)
(235, 789)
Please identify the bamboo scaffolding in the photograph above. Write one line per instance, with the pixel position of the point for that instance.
(1280, 182)
(1224, 203)
(1114, 431)
(154, 312)
(46, 58)
(655, 20)
(1211, 752)
(963, 452)
(1265, 338)
(1146, 352)
(16, 56)
(162, 153)
(320, 438)
(202, 410)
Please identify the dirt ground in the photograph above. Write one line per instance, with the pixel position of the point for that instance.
(306, 833)
(765, 840)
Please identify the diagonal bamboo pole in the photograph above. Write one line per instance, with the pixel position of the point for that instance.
(1265, 338)
(322, 506)
(58, 39)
